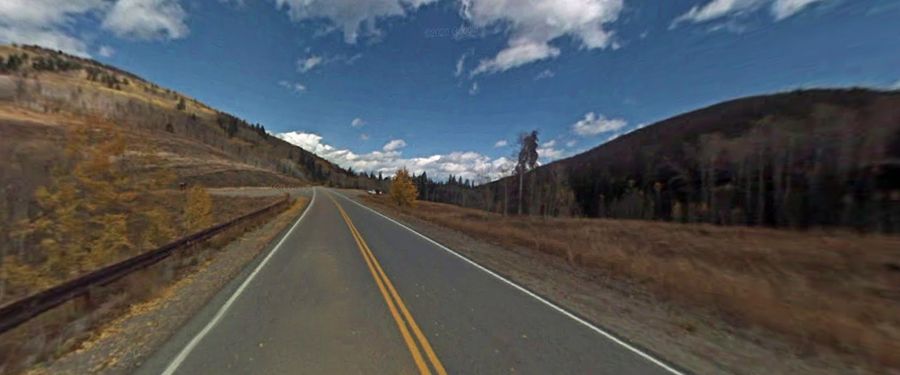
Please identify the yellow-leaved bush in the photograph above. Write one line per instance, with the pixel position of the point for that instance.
(403, 191)
(198, 210)
(93, 212)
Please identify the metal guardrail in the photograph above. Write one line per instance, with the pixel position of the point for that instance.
(18, 312)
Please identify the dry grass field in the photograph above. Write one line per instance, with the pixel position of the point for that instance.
(834, 291)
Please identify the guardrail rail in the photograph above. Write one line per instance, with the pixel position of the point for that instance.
(20, 311)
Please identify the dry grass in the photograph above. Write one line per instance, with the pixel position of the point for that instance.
(839, 291)
(31, 141)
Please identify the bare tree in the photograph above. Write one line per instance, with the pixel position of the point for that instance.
(528, 143)
(505, 170)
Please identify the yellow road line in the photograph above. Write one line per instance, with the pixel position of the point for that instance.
(410, 344)
(401, 325)
(439, 368)
(384, 280)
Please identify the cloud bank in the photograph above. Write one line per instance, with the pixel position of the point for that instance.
(466, 164)
(593, 124)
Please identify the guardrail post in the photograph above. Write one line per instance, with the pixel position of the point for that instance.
(84, 302)
(184, 255)
(167, 271)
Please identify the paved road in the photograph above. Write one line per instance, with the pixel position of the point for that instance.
(348, 291)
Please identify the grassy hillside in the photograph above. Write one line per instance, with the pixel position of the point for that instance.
(45, 94)
(92, 160)
(798, 159)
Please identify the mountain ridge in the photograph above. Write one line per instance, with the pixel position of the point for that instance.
(837, 145)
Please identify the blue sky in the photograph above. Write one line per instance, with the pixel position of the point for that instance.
(441, 85)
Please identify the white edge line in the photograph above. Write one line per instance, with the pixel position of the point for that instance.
(173, 366)
(530, 293)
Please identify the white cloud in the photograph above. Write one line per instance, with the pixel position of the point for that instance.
(594, 124)
(364, 137)
(147, 19)
(782, 9)
(501, 143)
(474, 89)
(515, 55)
(106, 51)
(548, 151)
(357, 122)
(549, 154)
(571, 143)
(306, 64)
(52, 39)
(44, 13)
(716, 9)
(46, 23)
(546, 73)
(460, 64)
(394, 145)
(296, 87)
(534, 24)
(471, 165)
(352, 17)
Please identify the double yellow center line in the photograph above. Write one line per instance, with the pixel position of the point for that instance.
(403, 318)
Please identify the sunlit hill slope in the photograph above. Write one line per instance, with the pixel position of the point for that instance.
(45, 94)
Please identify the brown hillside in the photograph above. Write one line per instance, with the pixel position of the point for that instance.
(44, 94)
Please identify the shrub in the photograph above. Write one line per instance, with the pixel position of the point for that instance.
(403, 191)
(88, 214)
(198, 210)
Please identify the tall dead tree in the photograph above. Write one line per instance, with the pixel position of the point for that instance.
(528, 145)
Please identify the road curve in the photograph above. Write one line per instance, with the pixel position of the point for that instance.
(349, 291)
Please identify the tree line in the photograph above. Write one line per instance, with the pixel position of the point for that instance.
(831, 166)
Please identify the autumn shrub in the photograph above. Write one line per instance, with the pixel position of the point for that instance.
(198, 209)
(403, 191)
(90, 214)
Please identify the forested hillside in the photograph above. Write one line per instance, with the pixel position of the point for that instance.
(799, 159)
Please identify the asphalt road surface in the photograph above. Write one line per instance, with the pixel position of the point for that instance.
(348, 291)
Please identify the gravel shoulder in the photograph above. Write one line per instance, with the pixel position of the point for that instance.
(120, 346)
(693, 340)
